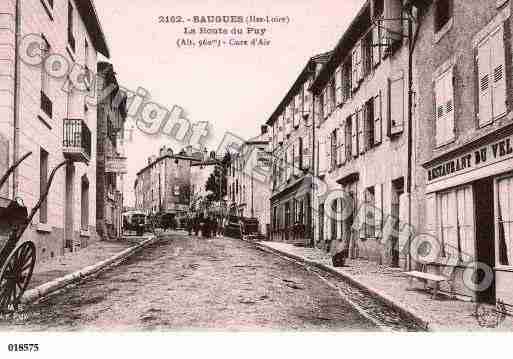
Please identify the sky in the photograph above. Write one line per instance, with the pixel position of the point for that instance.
(235, 89)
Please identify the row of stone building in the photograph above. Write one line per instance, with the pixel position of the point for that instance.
(60, 102)
(409, 115)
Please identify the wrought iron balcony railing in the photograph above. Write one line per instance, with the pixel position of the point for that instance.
(76, 140)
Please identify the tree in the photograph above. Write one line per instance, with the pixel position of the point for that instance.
(212, 184)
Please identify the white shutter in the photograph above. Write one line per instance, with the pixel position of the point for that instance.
(378, 127)
(449, 105)
(485, 92)
(354, 134)
(498, 73)
(396, 97)
(440, 111)
(338, 86)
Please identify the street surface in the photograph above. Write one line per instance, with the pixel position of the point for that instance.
(188, 283)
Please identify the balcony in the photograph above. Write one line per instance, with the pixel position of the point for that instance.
(76, 140)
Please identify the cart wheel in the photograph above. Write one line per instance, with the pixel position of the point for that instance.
(16, 275)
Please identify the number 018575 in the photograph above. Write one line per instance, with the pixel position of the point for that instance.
(23, 347)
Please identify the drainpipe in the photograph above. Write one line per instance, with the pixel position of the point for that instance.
(16, 118)
(410, 127)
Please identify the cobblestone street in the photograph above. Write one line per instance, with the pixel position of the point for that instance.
(183, 283)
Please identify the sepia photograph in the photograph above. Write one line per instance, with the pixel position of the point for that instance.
(220, 171)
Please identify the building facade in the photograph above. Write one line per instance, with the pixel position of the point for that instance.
(463, 68)
(360, 109)
(248, 181)
(291, 144)
(163, 187)
(48, 114)
(111, 163)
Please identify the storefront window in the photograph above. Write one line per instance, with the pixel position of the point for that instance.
(505, 220)
(456, 222)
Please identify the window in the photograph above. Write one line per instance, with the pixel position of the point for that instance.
(444, 108)
(378, 127)
(456, 222)
(378, 7)
(333, 150)
(360, 115)
(367, 53)
(341, 150)
(369, 225)
(443, 13)
(396, 105)
(321, 221)
(369, 124)
(339, 96)
(46, 103)
(71, 37)
(349, 135)
(84, 200)
(43, 181)
(492, 78)
(376, 45)
(346, 80)
(357, 73)
(505, 221)
(300, 163)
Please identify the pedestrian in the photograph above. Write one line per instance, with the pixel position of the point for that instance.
(188, 223)
(196, 224)
(214, 227)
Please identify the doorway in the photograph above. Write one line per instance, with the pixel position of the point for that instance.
(397, 192)
(485, 232)
(69, 208)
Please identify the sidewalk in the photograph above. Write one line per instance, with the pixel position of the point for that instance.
(59, 267)
(392, 286)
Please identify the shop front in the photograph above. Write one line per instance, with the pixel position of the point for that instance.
(469, 209)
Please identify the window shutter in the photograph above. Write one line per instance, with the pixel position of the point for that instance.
(378, 130)
(378, 213)
(361, 129)
(341, 151)
(498, 73)
(338, 86)
(485, 92)
(396, 98)
(354, 134)
(440, 111)
(328, 150)
(449, 105)
(376, 55)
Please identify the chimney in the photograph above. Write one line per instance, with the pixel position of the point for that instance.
(264, 129)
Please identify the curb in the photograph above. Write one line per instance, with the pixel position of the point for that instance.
(408, 312)
(45, 289)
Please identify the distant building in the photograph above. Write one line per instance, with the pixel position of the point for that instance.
(111, 163)
(248, 181)
(291, 152)
(163, 187)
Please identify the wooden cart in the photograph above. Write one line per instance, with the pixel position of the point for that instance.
(17, 257)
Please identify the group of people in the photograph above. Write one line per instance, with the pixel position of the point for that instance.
(210, 226)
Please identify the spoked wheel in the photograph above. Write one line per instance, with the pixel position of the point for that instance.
(16, 275)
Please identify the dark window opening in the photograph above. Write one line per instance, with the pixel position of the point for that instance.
(443, 13)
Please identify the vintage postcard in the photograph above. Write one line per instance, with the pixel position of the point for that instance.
(172, 166)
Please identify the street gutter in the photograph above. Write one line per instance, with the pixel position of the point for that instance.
(58, 284)
(385, 299)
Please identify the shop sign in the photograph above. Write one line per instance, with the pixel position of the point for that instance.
(472, 160)
(116, 165)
